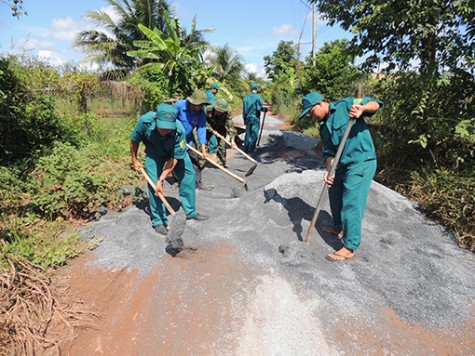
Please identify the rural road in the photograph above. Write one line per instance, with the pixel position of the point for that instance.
(246, 284)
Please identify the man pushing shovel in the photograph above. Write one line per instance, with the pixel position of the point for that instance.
(349, 186)
(165, 148)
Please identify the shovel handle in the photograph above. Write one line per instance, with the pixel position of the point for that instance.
(160, 195)
(243, 181)
(236, 148)
(325, 186)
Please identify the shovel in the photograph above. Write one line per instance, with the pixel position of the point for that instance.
(325, 185)
(251, 170)
(262, 128)
(176, 226)
(241, 180)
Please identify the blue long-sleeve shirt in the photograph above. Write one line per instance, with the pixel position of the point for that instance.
(192, 120)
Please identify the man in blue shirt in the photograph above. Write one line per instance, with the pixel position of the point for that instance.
(349, 187)
(165, 149)
(252, 105)
(192, 115)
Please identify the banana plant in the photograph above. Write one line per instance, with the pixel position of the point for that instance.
(177, 55)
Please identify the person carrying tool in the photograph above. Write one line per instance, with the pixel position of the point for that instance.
(212, 92)
(191, 114)
(165, 149)
(252, 105)
(219, 121)
(349, 187)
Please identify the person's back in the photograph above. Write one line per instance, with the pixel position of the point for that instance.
(252, 105)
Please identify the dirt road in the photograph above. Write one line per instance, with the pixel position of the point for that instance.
(247, 284)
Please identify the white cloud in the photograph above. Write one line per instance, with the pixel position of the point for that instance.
(254, 68)
(32, 44)
(50, 57)
(64, 29)
(285, 29)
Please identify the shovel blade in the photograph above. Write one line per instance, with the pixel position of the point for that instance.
(250, 171)
(173, 239)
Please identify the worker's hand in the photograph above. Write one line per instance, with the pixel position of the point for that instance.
(137, 166)
(159, 187)
(233, 144)
(264, 109)
(327, 179)
(215, 132)
(356, 111)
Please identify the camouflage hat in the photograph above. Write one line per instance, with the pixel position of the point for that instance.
(221, 105)
(198, 98)
(166, 116)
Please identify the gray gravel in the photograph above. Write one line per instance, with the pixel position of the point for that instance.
(405, 261)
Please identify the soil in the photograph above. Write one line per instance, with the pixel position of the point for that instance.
(214, 298)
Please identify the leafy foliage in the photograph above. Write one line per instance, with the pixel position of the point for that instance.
(435, 33)
(178, 56)
(108, 45)
(333, 74)
(227, 65)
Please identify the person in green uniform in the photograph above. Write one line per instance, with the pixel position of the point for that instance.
(252, 106)
(219, 120)
(212, 92)
(165, 149)
(349, 187)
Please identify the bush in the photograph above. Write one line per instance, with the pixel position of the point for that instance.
(447, 198)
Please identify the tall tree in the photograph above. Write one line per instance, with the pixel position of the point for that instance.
(438, 34)
(109, 43)
(283, 58)
(227, 64)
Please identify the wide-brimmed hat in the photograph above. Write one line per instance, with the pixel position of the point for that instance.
(214, 86)
(166, 116)
(309, 101)
(198, 98)
(221, 105)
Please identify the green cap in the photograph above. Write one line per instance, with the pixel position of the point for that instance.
(166, 116)
(254, 86)
(214, 86)
(198, 98)
(220, 105)
(308, 102)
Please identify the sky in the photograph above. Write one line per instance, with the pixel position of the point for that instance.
(252, 28)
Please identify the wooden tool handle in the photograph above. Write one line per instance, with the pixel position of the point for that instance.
(243, 181)
(160, 195)
(236, 148)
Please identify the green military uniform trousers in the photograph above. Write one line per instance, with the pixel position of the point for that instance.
(348, 196)
(185, 174)
(252, 133)
(218, 146)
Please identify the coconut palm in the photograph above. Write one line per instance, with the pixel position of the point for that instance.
(227, 63)
(109, 43)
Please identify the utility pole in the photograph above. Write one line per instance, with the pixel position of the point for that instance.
(314, 31)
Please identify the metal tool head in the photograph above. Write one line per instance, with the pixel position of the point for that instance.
(251, 170)
(177, 227)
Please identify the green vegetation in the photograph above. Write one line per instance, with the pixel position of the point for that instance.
(64, 133)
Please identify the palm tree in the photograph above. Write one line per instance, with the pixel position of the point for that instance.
(227, 63)
(109, 43)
